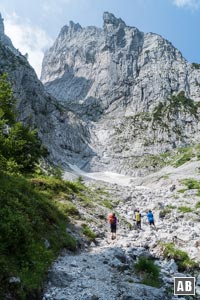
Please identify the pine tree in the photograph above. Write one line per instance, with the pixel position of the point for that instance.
(20, 148)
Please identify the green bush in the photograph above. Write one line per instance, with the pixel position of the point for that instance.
(88, 232)
(50, 183)
(80, 179)
(181, 257)
(68, 209)
(27, 219)
(148, 271)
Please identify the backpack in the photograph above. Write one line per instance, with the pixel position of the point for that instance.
(137, 216)
(112, 219)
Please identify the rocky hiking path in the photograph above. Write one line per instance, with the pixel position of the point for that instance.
(105, 269)
(96, 274)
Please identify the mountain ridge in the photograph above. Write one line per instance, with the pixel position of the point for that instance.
(114, 97)
(36, 107)
(116, 79)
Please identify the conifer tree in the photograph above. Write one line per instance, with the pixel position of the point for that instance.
(20, 148)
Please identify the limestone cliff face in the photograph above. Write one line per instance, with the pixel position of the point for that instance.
(59, 129)
(135, 92)
(113, 96)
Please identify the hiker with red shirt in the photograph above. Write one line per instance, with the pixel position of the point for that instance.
(113, 225)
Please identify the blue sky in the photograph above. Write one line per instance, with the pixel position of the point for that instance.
(33, 25)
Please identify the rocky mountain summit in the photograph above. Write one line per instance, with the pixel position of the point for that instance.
(114, 98)
(134, 92)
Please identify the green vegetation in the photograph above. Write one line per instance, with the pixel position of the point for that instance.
(196, 65)
(102, 197)
(88, 232)
(192, 184)
(197, 205)
(183, 155)
(20, 149)
(35, 208)
(148, 271)
(28, 217)
(164, 212)
(169, 206)
(146, 116)
(176, 158)
(80, 179)
(107, 203)
(155, 161)
(164, 112)
(35, 211)
(181, 257)
(182, 160)
(165, 176)
(185, 209)
(171, 107)
(163, 119)
(158, 112)
(41, 209)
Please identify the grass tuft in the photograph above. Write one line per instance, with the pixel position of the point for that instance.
(88, 232)
(181, 257)
(148, 271)
(185, 209)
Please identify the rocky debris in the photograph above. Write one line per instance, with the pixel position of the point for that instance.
(96, 274)
(107, 267)
(14, 280)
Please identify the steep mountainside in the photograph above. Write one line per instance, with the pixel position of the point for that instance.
(57, 128)
(135, 92)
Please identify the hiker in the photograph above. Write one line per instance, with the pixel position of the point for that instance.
(151, 218)
(172, 188)
(138, 219)
(113, 225)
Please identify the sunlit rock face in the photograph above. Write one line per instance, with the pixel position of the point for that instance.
(121, 83)
(113, 96)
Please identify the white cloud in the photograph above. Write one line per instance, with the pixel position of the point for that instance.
(28, 39)
(193, 4)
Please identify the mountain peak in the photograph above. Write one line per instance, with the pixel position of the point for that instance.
(109, 18)
(1, 25)
(5, 39)
(74, 26)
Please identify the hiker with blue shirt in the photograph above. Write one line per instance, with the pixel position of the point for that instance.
(151, 218)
